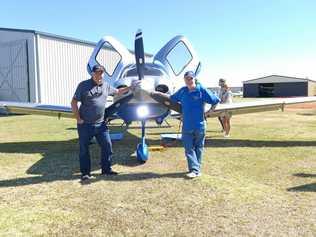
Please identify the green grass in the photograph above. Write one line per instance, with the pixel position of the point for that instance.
(259, 182)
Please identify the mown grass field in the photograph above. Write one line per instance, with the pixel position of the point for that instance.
(259, 182)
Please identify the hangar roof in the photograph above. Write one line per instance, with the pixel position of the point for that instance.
(276, 79)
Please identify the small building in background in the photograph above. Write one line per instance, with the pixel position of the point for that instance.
(44, 68)
(279, 86)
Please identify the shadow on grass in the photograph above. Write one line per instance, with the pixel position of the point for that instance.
(303, 175)
(255, 143)
(220, 142)
(60, 160)
(304, 188)
(136, 177)
(307, 114)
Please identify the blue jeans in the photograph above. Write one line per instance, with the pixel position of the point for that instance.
(100, 131)
(193, 142)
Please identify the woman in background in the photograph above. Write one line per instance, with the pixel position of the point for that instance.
(226, 97)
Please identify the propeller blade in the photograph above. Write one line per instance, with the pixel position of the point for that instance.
(165, 100)
(113, 108)
(139, 54)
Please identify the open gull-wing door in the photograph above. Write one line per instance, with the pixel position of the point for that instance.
(111, 54)
(177, 57)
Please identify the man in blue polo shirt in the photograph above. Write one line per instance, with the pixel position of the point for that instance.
(92, 94)
(193, 97)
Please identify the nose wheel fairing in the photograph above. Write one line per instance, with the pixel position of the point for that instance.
(142, 148)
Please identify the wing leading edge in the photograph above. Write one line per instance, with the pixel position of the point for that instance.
(37, 109)
(259, 106)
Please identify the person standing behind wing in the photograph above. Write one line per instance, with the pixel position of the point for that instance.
(193, 97)
(226, 97)
(221, 82)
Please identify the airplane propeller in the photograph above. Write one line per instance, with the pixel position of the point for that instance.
(142, 148)
(165, 100)
(140, 61)
(139, 54)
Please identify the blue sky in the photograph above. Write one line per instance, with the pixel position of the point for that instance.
(237, 40)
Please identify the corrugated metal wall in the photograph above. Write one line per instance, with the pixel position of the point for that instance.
(62, 65)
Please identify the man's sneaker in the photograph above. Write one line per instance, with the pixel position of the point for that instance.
(86, 177)
(193, 175)
(111, 172)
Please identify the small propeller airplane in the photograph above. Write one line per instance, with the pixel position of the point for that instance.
(158, 80)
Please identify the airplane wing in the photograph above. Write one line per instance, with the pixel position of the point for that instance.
(38, 109)
(247, 107)
(56, 110)
(233, 108)
(258, 105)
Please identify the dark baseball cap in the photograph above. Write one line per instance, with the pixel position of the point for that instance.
(222, 80)
(189, 74)
(98, 68)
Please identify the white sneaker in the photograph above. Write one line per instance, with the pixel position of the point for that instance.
(87, 177)
(226, 135)
(193, 175)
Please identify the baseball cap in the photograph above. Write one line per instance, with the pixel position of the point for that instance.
(189, 74)
(98, 68)
(222, 80)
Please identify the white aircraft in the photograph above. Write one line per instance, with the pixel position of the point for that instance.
(159, 78)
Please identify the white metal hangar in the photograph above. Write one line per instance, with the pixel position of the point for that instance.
(279, 86)
(42, 67)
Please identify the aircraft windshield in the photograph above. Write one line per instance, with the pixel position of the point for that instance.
(179, 57)
(109, 58)
(148, 71)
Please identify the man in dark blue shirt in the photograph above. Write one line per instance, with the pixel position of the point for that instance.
(193, 97)
(92, 94)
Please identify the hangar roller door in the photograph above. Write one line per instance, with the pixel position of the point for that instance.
(14, 80)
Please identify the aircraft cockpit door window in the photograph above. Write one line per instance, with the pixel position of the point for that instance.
(177, 57)
(109, 58)
(111, 54)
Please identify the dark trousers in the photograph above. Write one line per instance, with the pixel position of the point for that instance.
(101, 133)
